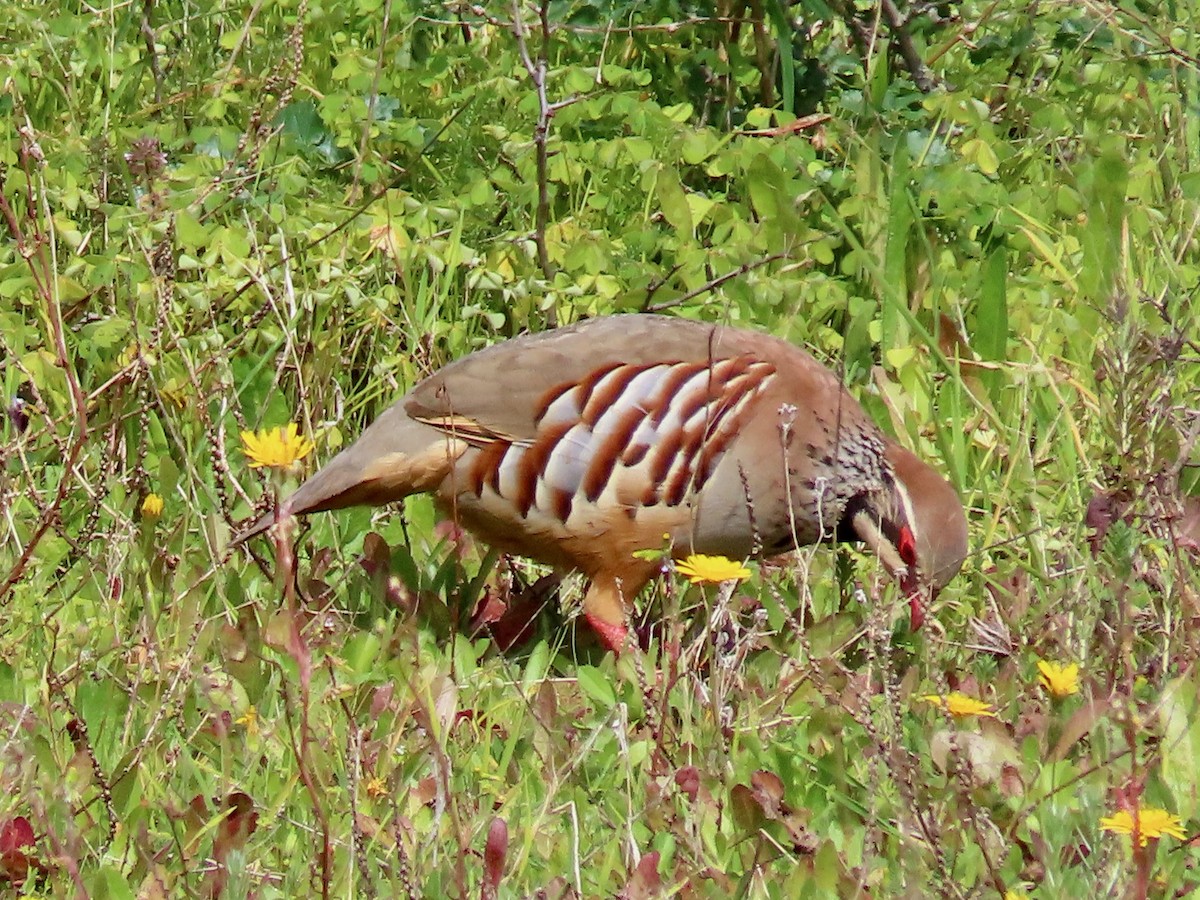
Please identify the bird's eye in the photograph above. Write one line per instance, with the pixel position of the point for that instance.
(907, 547)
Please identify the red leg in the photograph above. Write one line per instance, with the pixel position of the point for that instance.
(612, 636)
(916, 607)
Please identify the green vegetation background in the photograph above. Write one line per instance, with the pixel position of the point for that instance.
(224, 216)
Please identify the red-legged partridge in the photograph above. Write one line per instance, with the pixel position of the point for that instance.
(581, 445)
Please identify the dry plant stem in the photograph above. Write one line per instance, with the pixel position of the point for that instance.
(859, 33)
(762, 56)
(403, 864)
(960, 769)
(714, 283)
(42, 271)
(77, 730)
(354, 747)
(371, 98)
(890, 743)
(281, 85)
(964, 37)
(151, 52)
(537, 74)
(442, 766)
(171, 705)
(653, 721)
(300, 752)
(299, 650)
(62, 856)
(1109, 11)
(608, 28)
(546, 111)
(898, 24)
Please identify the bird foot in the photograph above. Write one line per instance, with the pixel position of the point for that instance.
(612, 636)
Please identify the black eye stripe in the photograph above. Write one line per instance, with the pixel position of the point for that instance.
(893, 527)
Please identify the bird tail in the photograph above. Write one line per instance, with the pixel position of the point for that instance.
(395, 457)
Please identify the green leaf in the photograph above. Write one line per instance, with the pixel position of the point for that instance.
(991, 316)
(673, 201)
(595, 684)
(536, 668)
(980, 153)
(1180, 722)
(361, 652)
(110, 884)
(1105, 198)
(781, 25)
(107, 333)
(764, 182)
(697, 146)
(189, 232)
(895, 267)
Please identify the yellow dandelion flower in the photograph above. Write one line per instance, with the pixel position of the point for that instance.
(376, 787)
(701, 569)
(1149, 823)
(152, 506)
(248, 720)
(1015, 895)
(276, 448)
(132, 352)
(960, 705)
(176, 393)
(1058, 679)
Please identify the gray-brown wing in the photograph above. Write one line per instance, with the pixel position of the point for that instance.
(502, 392)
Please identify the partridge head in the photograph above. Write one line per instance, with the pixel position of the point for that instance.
(582, 445)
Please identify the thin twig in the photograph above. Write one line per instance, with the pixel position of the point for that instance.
(42, 271)
(537, 75)
(372, 98)
(714, 283)
(898, 24)
(152, 50)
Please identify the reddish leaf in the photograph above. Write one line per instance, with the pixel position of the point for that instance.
(482, 721)
(16, 833)
(767, 788)
(494, 853)
(321, 562)
(377, 555)
(232, 833)
(509, 620)
(747, 811)
(1082, 721)
(285, 633)
(687, 779)
(218, 724)
(381, 700)
(450, 531)
(489, 609)
(233, 642)
(1102, 511)
(1187, 529)
(235, 829)
(644, 882)
(545, 704)
(426, 790)
(77, 732)
(1011, 784)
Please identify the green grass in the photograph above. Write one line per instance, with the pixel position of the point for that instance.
(1003, 270)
